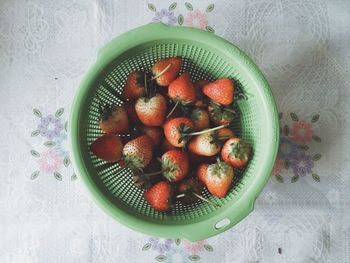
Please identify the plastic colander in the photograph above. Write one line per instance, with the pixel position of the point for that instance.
(206, 56)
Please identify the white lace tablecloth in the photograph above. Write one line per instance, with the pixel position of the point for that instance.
(302, 46)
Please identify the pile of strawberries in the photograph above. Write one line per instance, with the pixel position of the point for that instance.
(174, 135)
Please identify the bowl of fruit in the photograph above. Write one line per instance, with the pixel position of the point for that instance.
(174, 132)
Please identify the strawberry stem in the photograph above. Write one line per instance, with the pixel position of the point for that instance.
(208, 130)
(172, 110)
(162, 72)
(179, 196)
(205, 200)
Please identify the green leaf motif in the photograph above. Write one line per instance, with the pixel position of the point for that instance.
(151, 7)
(280, 115)
(303, 147)
(177, 241)
(294, 116)
(286, 130)
(160, 258)
(35, 153)
(34, 175)
(37, 113)
(316, 138)
(286, 164)
(180, 19)
(49, 144)
(209, 29)
(59, 112)
(146, 247)
(209, 8)
(316, 177)
(295, 178)
(66, 161)
(73, 177)
(194, 258)
(58, 176)
(189, 6)
(208, 247)
(279, 178)
(315, 118)
(35, 133)
(316, 157)
(172, 6)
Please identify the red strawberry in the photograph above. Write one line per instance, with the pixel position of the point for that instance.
(137, 153)
(201, 172)
(204, 144)
(151, 111)
(155, 133)
(114, 120)
(130, 109)
(108, 148)
(135, 85)
(220, 114)
(220, 91)
(165, 74)
(159, 196)
(217, 177)
(182, 90)
(166, 146)
(224, 134)
(200, 119)
(236, 152)
(175, 165)
(175, 131)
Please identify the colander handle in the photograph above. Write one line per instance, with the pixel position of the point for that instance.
(220, 223)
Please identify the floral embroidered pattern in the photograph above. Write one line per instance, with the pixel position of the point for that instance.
(55, 157)
(294, 149)
(176, 250)
(192, 18)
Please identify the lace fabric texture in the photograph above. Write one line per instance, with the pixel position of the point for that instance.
(301, 46)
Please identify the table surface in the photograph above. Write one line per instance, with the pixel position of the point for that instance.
(302, 46)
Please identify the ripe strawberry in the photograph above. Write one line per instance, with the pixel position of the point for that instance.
(155, 133)
(221, 91)
(114, 120)
(201, 172)
(204, 144)
(236, 152)
(159, 196)
(220, 114)
(108, 148)
(166, 146)
(175, 131)
(135, 85)
(200, 119)
(224, 134)
(182, 90)
(151, 111)
(137, 153)
(164, 73)
(175, 165)
(130, 109)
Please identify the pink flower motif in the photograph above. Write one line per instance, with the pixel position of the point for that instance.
(193, 248)
(277, 168)
(49, 162)
(196, 19)
(302, 132)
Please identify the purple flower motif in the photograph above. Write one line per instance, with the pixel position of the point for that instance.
(165, 16)
(287, 148)
(50, 127)
(302, 164)
(161, 245)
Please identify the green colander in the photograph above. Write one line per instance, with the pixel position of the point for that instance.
(206, 56)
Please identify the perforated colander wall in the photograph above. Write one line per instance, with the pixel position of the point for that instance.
(201, 64)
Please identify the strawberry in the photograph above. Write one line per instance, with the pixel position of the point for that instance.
(217, 177)
(236, 152)
(159, 196)
(220, 114)
(114, 120)
(175, 131)
(201, 172)
(166, 146)
(130, 109)
(182, 90)
(200, 119)
(135, 85)
(151, 111)
(108, 147)
(166, 70)
(220, 91)
(224, 134)
(204, 144)
(155, 133)
(137, 153)
(175, 165)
